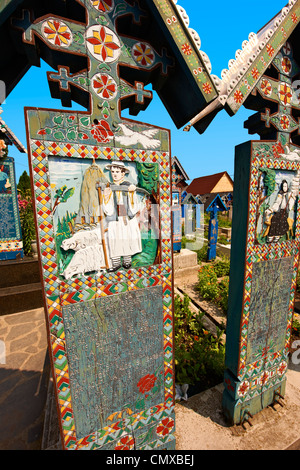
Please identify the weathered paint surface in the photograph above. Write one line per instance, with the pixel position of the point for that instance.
(11, 244)
(110, 324)
(265, 246)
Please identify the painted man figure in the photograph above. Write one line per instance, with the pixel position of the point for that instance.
(121, 205)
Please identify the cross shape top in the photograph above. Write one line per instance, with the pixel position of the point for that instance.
(278, 91)
(102, 55)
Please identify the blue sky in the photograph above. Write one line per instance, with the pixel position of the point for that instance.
(222, 27)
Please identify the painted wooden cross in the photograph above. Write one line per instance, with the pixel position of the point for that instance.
(216, 206)
(265, 228)
(98, 179)
(94, 80)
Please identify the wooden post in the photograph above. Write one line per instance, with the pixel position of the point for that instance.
(102, 227)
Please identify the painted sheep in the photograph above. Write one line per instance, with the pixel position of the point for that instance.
(82, 239)
(85, 260)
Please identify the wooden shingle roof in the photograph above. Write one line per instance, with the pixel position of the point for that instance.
(206, 184)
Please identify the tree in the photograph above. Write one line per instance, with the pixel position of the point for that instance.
(24, 185)
(62, 195)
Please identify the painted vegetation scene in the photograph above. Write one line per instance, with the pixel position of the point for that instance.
(277, 200)
(105, 215)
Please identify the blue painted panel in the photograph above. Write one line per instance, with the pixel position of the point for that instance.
(113, 343)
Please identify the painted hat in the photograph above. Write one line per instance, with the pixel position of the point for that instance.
(117, 164)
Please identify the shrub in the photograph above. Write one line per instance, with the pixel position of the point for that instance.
(208, 282)
(223, 294)
(202, 253)
(222, 267)
(298, 284)
(224, 221)
(199, 356)
(27, 223)
(296, 328)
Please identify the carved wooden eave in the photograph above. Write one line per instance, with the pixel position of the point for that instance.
(176, 163)
(7, 7)
(203, 87)
(250, 64)
(9, 136)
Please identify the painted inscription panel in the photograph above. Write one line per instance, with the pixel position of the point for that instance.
(7, 227)
(120, 337)
(269, 306)
(10, 229)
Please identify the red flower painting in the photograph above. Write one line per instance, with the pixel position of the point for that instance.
(57, 33)
(165, 427)
(238, 96)
(255, 73)
(146, 383)
(102, 132)
(125, 443)
(186, 48)
(207, 88)
(277, 149)
(102, 5)
(103, 44)
(105, 86)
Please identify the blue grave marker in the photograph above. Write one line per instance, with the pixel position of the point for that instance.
(217, 205)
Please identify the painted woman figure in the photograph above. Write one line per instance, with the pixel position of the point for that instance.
(4, 180)
(121, 207)
(277, 216)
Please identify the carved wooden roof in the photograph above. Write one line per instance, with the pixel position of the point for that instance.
(10, 139)
(206, 184)
(251, 62)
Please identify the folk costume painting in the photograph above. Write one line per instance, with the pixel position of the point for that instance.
(277, 205)
(102, 217)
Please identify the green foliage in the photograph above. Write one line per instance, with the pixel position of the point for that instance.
(224, 221)
(208, 282)
(269, 181)
(199, 356)
(202, 253)
(26, 212)
(210, 286)
(24, 185)
(62, 195)
(64, 230)
(27, 226)
(222, 267)
(223, 293)
(296, 328)
(223, 240)
(298, 284)
(148, 176)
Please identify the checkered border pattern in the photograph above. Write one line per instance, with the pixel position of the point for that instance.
(270, 369)
(60, 292)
